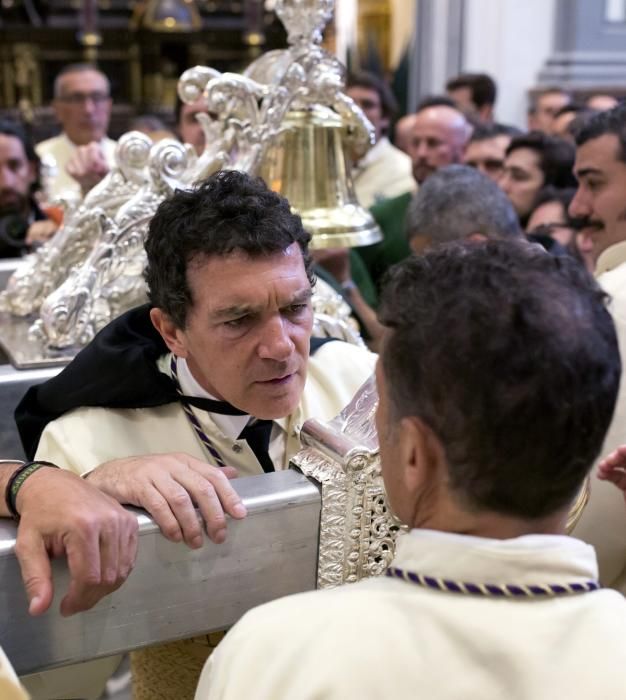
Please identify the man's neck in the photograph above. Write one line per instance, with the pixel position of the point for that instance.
(491, 525)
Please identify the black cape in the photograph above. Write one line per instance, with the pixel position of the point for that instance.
(116, 370)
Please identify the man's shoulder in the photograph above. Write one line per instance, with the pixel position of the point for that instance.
(389, 209)
(49, 145)
(336, 357)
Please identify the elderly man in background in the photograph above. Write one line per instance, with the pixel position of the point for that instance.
(482, 455)
(384, 171)
(438, 137)
(82, 153)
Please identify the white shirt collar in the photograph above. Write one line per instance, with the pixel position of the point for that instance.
(231, 426)
(374, 153)
(528, 559)
(611, 258)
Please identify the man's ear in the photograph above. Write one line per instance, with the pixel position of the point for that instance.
(421, 454)
(172, 335)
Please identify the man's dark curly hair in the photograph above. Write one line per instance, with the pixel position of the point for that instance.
(510, 356)
(229, 212)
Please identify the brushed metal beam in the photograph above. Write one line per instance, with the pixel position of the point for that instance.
(173, 592)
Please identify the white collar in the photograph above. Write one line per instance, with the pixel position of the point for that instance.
(374, 153)
(611, 258)
(231, 426)
(522, 560)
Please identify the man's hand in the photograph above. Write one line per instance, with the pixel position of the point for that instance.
(63, 515)
(88, 165)
(40, 231)
(613, 468)
(168, 486)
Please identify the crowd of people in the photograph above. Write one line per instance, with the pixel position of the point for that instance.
(499, 390)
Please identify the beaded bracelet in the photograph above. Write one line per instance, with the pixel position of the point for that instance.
(17, 480)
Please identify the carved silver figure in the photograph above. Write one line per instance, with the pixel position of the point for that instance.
(110, 281)
(357, 529)
(91, 269)
(44, 270)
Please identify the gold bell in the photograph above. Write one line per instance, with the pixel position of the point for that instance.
(308, 164)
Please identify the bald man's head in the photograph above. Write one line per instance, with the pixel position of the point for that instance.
(438, 137)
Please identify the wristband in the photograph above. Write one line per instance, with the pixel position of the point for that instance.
(17, 480)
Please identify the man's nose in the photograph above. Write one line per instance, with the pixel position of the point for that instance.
(579, 206)
(504, 182)
(276, 344)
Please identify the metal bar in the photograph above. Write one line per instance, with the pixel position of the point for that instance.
(174, 592)
(13, 386)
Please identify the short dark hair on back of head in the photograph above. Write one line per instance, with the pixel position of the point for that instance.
(457, 201)
(556, 157)
(229, 212)
(371, 81)
(613, 121)
(510, 356)
(481, 85)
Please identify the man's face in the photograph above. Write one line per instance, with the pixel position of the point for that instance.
(547, 107)
(247, 334)
(600, 200)
(189, 128)
(369, 101)
(17, 174)
(487, 155)
(522, 179)
(83, 106)
(437, 139)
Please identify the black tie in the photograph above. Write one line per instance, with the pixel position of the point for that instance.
(212, 405)
(257, 435)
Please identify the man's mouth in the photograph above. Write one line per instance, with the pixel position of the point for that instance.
(277, 381)
(589, 226)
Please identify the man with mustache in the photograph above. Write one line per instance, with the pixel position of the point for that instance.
(220, 367)
(600, 202)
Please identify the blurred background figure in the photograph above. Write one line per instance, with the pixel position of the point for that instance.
(22, 221)
(601, 103)
(533, 161)
(384, 171)
(83, 153)
(544, 107)
(486, 149)
(475, 95)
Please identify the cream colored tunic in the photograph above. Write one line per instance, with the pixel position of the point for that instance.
(603, 522)
(384, 172)
(62, 149)
(86, 437)
(10, 688)
(384, 638)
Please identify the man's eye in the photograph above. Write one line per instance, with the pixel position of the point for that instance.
(296, 308)
(236, 322)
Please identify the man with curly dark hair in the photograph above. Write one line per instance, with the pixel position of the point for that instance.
(220, 367)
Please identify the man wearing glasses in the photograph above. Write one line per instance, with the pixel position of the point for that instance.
(82, 153)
